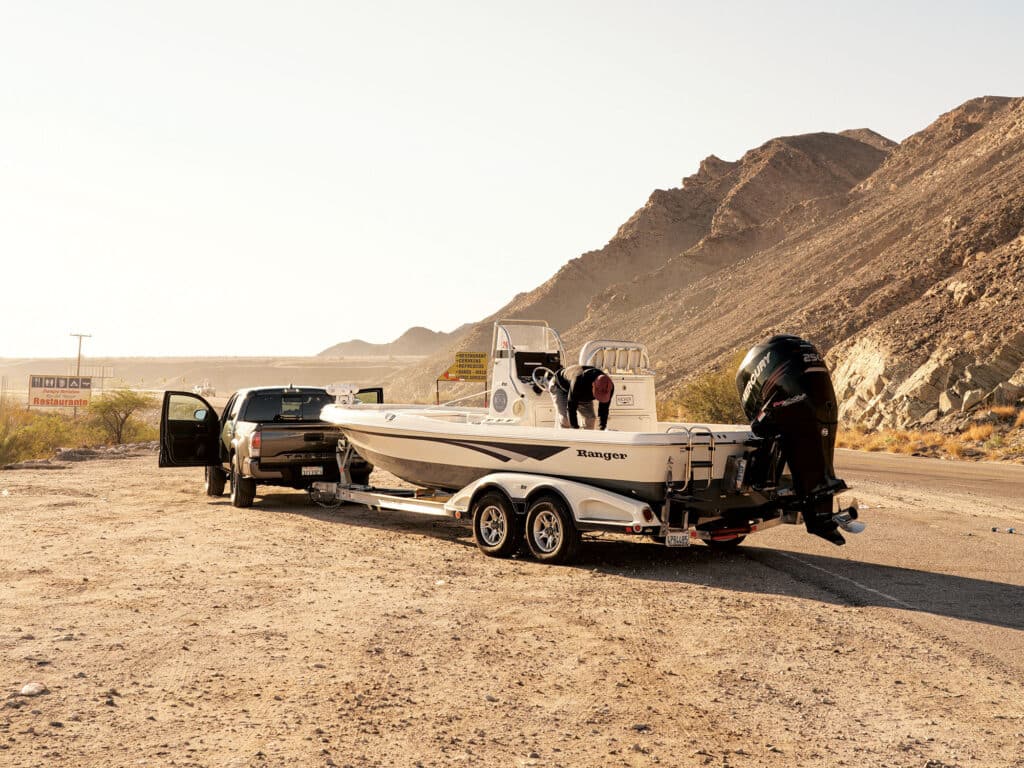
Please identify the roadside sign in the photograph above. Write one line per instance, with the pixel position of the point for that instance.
(468, 366)
(51, 391)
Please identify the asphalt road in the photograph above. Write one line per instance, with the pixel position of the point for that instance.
(999, 482)
(929, 556)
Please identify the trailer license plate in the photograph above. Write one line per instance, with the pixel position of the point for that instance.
(312, 470)
(678, 539)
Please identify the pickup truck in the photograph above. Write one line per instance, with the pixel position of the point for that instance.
(265, 436)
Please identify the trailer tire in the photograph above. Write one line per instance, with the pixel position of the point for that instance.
(496, 529)
(243, 489)
(726, 545)
(550, 531)
(214, 481)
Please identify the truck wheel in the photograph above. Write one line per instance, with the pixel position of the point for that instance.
(214, 480)
(726, 544)
(550, 531)
(243, 489)
(496, 530)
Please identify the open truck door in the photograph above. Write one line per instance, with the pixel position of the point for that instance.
(373, 395)
(189, 432)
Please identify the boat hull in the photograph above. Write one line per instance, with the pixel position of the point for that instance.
(448, 454)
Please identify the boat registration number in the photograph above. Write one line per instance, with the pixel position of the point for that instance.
(312, 470)
(678, 539)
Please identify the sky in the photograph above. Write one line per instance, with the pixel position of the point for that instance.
(256, 178)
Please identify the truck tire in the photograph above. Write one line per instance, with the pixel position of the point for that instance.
(496, 529)
(243, 489)
(550, 531)
(214, 481)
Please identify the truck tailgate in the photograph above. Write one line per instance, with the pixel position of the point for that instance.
(289, 443)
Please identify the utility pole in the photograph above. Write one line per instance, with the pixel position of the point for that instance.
(78, 368)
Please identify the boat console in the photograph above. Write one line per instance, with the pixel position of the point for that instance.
(526, 353)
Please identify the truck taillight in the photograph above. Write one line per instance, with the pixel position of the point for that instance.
(254, 443)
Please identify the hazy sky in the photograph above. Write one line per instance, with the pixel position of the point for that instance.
(244, 178)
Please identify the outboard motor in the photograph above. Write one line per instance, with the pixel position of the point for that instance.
(787, 394)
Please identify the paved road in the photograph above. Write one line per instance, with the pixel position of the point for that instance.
(928, 557)
(994, 481)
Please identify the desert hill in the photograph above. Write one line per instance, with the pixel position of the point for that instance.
(720, 214)
(416, 341)
(905, 262)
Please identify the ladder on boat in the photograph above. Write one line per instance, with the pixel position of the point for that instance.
(691, 468)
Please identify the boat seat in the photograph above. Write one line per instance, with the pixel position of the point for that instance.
(616, 356)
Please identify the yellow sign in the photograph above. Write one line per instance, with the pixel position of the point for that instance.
(468, 366)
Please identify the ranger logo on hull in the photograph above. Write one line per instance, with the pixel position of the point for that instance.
(606, 455)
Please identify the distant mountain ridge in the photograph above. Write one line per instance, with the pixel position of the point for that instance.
(416, 341)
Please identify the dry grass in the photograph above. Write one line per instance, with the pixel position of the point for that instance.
(890, 440)
(979, 432)
(954, 447)
(1004, 412)
(999, 441)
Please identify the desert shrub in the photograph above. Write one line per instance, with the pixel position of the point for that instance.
(11, 439)
(35, 434)
(953, 447)
(46, 431)
(112, 413)
(979, 432)
(995, 443)
(711, 397)
(1003, 412)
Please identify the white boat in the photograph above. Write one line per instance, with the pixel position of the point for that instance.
(718, 476)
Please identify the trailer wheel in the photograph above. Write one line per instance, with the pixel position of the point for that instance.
(550, 531)
(214, 480)
(725, 545)
(496, 530)
(243, 489)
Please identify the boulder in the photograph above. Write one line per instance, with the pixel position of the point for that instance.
(972, 399)
(949, 401)
(1006, 394)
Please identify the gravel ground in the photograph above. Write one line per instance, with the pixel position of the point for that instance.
(168, 628)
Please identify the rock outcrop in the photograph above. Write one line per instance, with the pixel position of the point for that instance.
(905, 262)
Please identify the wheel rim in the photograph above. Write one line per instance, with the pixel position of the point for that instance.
(492, 525)
(547, 531)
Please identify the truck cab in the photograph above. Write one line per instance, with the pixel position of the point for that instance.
(263, 436)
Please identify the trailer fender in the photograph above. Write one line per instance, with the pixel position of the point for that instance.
(588, 503)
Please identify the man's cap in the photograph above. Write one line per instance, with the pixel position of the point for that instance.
(603, 388)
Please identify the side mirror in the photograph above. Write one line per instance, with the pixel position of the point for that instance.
(200, 414)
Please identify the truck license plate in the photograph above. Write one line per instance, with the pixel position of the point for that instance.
(312, 470)
(678, 539)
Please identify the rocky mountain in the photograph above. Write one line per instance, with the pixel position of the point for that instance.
(416, 342)
(904, 262)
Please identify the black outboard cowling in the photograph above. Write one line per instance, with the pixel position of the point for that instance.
(786, 392)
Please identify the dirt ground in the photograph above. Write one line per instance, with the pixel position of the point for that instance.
(172, 629)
